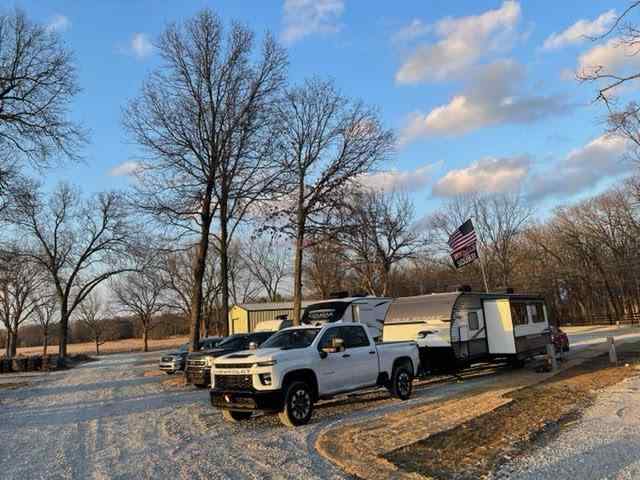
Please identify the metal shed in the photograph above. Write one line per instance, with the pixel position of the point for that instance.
(243, 318)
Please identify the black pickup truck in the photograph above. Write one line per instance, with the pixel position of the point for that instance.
(198, 368)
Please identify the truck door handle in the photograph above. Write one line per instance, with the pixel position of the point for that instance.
(346, 355)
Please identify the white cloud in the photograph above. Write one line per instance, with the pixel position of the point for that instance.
(488, 175)
(463, 41)
(59, 23)
(417, 28)
(582, 168)
(400, 180)
(495, 97)
(125, 169)
(306, 17)
(611, 57)
(580, 31)
(140, 45)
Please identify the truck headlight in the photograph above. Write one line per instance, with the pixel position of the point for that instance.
(268, 363)
(265, 378)
(209, 361)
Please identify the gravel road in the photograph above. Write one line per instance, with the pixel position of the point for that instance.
(604, 444)
(105, 419)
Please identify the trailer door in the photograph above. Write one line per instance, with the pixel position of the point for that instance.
(497, 316)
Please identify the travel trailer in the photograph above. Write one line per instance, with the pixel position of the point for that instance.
(456, 329)
(369, 311)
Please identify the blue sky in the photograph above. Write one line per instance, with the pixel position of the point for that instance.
(481, 94)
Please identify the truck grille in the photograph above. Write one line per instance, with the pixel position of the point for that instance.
(196, 363)
(236, 365)
(233, 382)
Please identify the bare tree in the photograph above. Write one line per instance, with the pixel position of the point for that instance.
(177, 274)
(204, 119)
(37, 84)
(46, 314)
(499, 220)
(268, 260)
(19, 282)
(142, 295)
(383, 234)
(79, 242)
(327, 142)
(91, 316)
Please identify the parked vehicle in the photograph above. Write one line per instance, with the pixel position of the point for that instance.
(298, 366)
(456, 329)
(198, 369)
(173, 362)
(369, 311)
(560, 339)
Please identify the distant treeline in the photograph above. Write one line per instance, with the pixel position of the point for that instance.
(119, 328)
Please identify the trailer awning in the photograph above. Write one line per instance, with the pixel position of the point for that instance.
(433, 307)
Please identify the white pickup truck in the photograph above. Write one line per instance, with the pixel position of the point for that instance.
(298, 366)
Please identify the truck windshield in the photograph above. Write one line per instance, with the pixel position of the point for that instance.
(290, 339)
(324, 312)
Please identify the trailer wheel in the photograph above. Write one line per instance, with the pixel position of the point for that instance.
(235, 416)
(401, 381)
(298, 405)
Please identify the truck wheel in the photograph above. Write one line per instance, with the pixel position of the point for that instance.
(401, 382)
(235, 416)
(298, 405)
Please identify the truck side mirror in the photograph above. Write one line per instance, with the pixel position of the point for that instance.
(253, 345)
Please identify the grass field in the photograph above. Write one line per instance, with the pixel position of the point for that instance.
(118, 346)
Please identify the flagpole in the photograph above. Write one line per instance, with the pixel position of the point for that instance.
(484, 274)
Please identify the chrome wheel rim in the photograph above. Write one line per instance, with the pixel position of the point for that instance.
(300, 404)
(404, 383)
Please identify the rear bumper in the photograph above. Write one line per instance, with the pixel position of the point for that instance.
(198, 375)
(249, 401)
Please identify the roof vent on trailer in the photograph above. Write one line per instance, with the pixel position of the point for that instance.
(343, 294)
(464, 288)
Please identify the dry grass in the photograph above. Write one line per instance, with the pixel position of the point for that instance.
(118, 346)
(476, 447)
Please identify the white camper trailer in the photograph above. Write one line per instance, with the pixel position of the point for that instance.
(456, 329)
(369, 311)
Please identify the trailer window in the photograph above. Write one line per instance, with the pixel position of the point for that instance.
(472, 320)
(536, 312)
(519, 313)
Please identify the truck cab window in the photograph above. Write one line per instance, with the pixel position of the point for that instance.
(328, 336)
(472, 320)
(354, 337)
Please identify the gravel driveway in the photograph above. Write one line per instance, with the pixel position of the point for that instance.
(106, 420)
(604, 444)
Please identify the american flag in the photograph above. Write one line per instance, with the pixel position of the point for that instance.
(463, 237)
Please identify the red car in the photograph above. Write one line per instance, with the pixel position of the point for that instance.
(560, 339)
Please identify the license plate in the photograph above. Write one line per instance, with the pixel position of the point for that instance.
(232, 371)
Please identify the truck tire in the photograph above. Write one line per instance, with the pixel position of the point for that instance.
(401, 385)
(298, 405)
(235, 416)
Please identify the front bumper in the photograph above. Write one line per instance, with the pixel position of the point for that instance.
(198, 375)
(171, 366)
(271, 401)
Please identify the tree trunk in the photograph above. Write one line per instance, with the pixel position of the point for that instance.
(145, 337)
(13, 344)
(45, 341)
(199, 265)
(63, 332)
(224, 264)
(97, 346)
